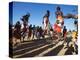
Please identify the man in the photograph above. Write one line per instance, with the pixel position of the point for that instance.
(17, 33)
(33, 31)
(59, 16)
(64, 33)
(58, 26)
(74, 41)
(46, 23)
(65, 36)
(30, 32)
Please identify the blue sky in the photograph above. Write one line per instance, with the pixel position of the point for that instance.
(37, 11)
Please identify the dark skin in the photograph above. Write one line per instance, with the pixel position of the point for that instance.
(58, 12)
(17, 32)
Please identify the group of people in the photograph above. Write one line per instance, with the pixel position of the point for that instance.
(58, 30)
(18, 33)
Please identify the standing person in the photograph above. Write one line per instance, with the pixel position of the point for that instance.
(25, 20)
(17, 33)
(37, 32)
(65, 36)
(41, 32)
(59, 17)
(64, 33)
(24, 32)
(74, 41)
(58, 26)
(30, 31)
(46, 22)
(33, 31)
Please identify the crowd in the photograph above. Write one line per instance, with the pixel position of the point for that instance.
(18, 34)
